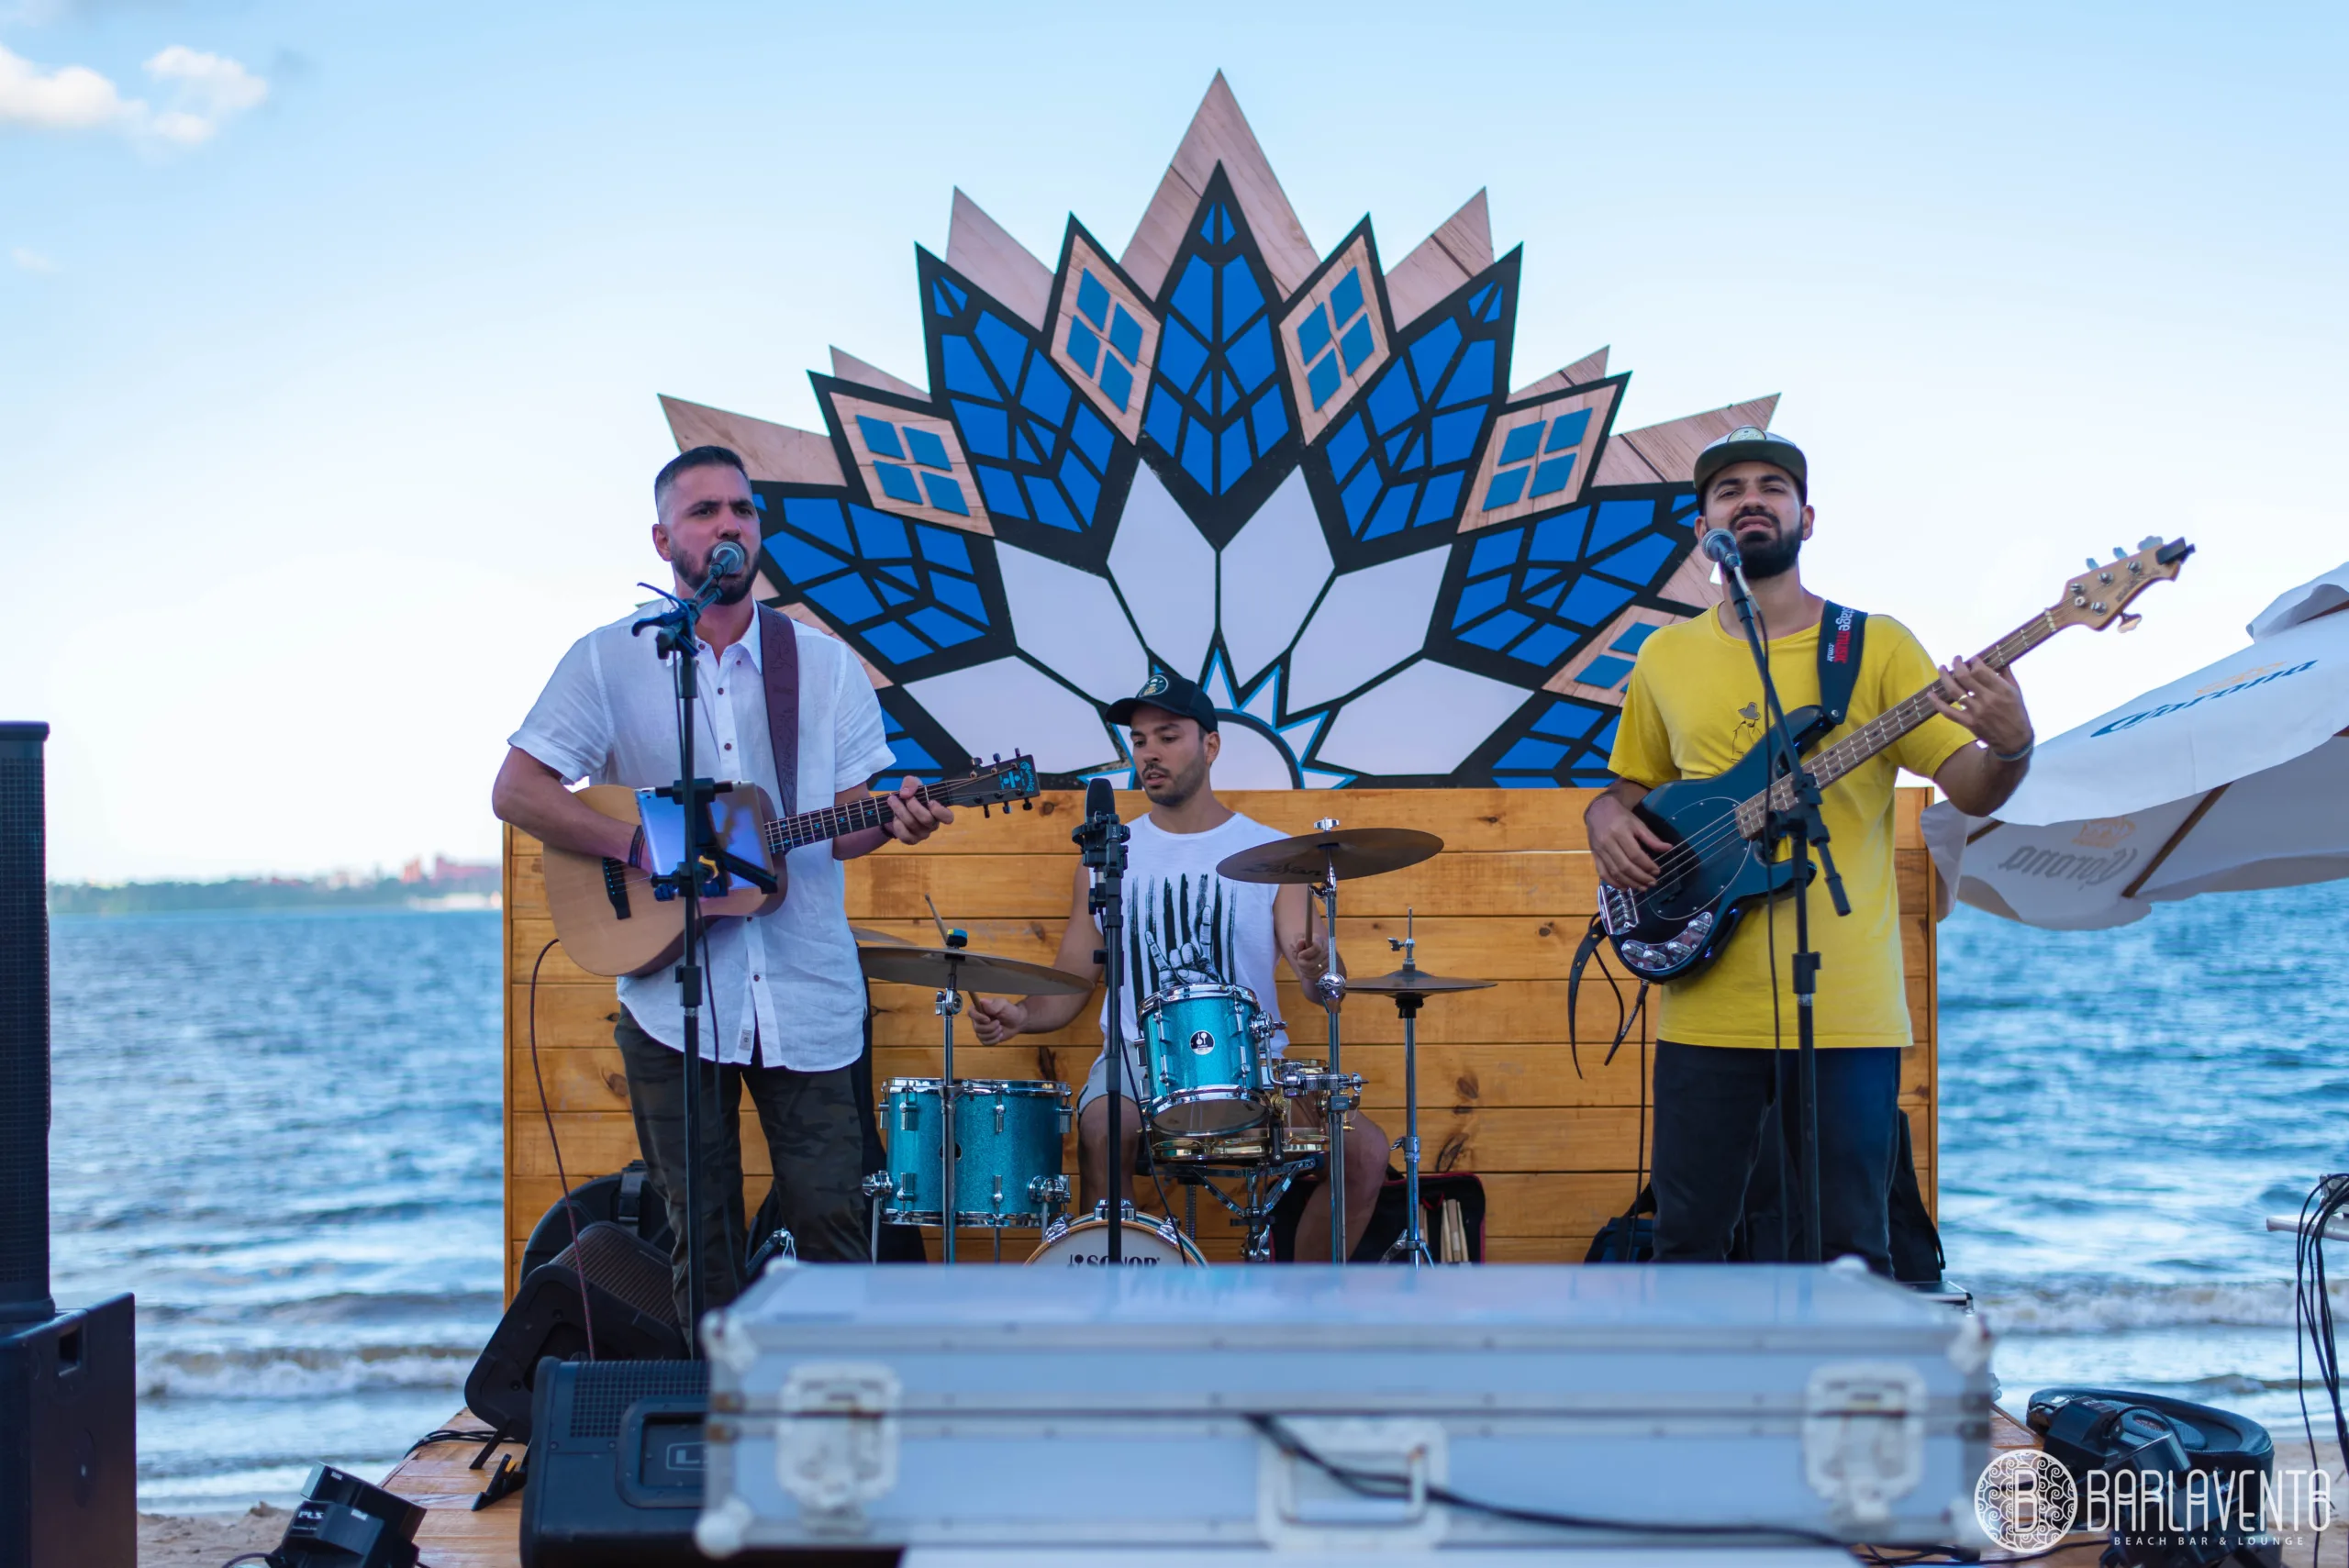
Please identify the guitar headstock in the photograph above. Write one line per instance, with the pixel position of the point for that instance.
(2096, 597)
(999, 783)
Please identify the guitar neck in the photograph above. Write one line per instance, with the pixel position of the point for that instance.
(787, 833)
(1887, 727)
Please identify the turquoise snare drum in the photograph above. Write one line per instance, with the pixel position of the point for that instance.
(1202, 1059)
(1008, 1165)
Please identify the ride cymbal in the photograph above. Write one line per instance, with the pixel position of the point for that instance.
(960, 969)
(1308, 857)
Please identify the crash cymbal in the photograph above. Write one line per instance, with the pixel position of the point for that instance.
(1414, 983)
(864, 934)
(964, 970)
(1359, 851)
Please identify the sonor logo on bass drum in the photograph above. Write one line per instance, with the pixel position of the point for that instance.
(1080, 1260)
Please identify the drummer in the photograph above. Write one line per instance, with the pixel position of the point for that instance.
(1186, 925)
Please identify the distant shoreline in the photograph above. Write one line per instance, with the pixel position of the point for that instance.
(257, 895)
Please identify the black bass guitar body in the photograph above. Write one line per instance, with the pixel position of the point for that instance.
(1714, 873)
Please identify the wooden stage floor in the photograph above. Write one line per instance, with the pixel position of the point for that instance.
(438, 1478)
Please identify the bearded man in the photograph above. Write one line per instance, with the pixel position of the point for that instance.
(783, 1001)
(1694, 707)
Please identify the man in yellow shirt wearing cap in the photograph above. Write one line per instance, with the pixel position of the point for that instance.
(1694, 707)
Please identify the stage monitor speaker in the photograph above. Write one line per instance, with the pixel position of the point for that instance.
(616, 1464)
(629, 1299)
(24, 1031)
(69, 1459)
(344, 1522)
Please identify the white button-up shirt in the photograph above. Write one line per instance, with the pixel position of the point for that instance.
(787, 980)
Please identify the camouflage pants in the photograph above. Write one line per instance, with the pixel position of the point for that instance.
(815, 1139)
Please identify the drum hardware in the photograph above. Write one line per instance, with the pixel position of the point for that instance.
(1203, 1052)
(1317, 860)
(1411, 985)
(955, 970)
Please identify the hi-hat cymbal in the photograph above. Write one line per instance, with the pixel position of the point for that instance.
(1413, 983)
(960, 969)
(881, 938)
(1356, 851)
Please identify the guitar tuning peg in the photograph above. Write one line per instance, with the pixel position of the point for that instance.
(2119, 553)
(2093, 563)
(2129, 622)
(2149, 541)
(998, 757)
(983, 811)
(1027, 806)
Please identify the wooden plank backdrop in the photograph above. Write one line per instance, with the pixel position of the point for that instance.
(1507, 901)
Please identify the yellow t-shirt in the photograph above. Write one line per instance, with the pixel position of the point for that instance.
(1693, 709)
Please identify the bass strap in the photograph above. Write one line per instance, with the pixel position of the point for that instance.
(779, 663)
(1841, 635)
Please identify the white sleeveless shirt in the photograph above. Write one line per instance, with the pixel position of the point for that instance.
(1186, 926)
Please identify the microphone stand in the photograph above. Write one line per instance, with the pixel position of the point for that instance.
(678, 642)
(1801, 825)
(1102, 838)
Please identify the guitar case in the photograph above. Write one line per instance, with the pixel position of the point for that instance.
(1843, 638)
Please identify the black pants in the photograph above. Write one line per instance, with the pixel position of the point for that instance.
(814, 1138)
(1712, 1105)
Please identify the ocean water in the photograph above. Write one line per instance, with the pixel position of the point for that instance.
(282, 1131)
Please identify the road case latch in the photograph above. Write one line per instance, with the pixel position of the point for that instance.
(836, 1446)
(1864, 1440)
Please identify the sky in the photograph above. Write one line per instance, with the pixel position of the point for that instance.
(330, 337)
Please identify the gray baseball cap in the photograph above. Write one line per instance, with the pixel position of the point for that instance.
(1751, 443)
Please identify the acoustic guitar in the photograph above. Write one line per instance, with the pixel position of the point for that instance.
(613, 921)
(1716, 869)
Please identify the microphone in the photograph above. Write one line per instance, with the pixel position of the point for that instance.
(1720, 546)
(1100, 806)
(725, 561)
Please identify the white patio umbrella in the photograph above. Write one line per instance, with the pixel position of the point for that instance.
(2235, 777)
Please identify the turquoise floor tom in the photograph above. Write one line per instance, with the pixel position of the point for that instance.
(1008, 1167)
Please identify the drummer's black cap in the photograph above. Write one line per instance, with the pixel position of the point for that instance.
(1166, 690)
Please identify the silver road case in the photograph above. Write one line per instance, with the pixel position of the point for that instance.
(1098, 1411)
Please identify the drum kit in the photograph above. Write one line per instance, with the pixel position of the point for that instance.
(1215, 1101)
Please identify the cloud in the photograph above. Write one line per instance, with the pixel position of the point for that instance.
(207, 91)
(29, 260)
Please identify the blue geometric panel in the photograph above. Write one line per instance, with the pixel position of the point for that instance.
(1042, 456)
(914, 599)
(1554, 741)
(1106, 341)
(1519, 600)
(1398, 460)
(1217, 404)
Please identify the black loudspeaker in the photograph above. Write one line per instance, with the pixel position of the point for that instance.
(343, 1522)
(68, 1451)
(69, 1464)
(629, 1299)
(616, 1464)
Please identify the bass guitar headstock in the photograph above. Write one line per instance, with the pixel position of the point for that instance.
(2100, 595)
(992, 784)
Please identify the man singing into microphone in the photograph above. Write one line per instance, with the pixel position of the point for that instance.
(1693, 709)
(783, 1010)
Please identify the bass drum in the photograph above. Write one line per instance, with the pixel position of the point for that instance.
(1148, 1243)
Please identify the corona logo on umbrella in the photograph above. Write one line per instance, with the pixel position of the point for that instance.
(1299, 477)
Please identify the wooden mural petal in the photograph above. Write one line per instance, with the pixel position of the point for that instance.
(1582, 373)
(1219, 133)
(1671, 447)
(1461, 247)
(983, 251)
(775, 452)
(848, 367)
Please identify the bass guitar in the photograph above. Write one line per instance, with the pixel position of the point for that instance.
(1716, 867)
(613, 921)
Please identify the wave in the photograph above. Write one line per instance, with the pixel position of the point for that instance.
(302, 1371)
(2105, 1306)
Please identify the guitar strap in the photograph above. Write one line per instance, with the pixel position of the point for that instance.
(779, 663)
(1843, 634)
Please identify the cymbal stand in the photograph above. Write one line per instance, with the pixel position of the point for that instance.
(950, 1004)
(1411, 1244)
(1330, 989)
